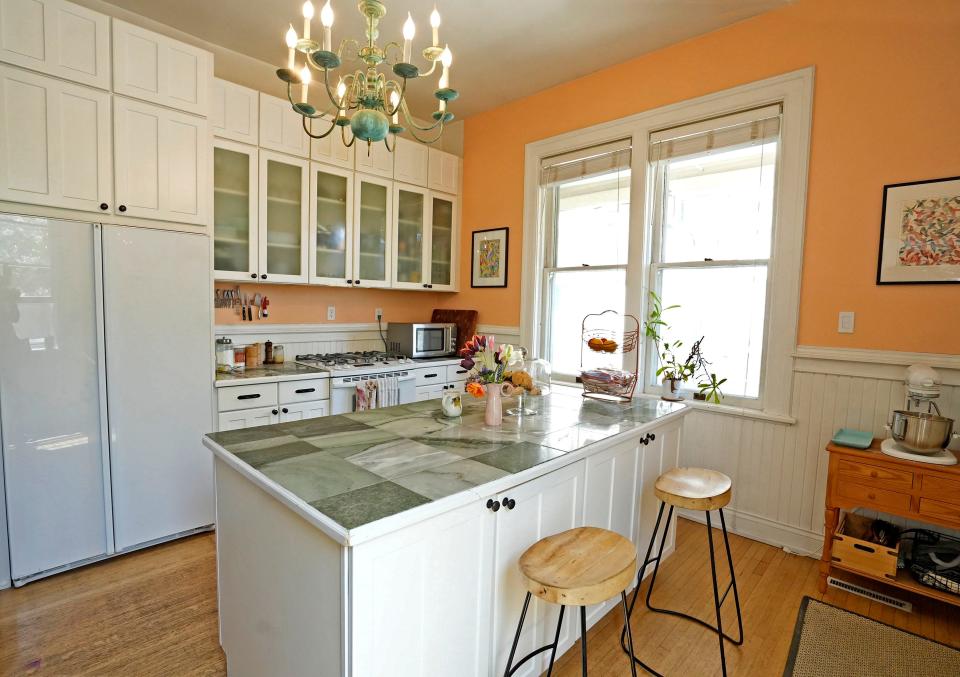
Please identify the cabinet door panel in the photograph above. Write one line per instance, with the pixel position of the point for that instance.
(235, 112)
(444, 238)
(544, 506)
(54, 142)
(281, 128)
(410, 237)
(57, 38)
(330, 149)
(331, 225)
(410, 162)
(373, 199)
(235, 211)
(304, 410)
(284, 213)
(374, 158)
(155, 68)
(444, 171)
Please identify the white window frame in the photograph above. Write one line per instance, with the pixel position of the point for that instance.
(795, 92)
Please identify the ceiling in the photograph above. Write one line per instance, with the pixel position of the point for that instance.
(502, 49)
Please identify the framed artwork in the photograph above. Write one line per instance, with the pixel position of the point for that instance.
(920, 233)
(489, 266)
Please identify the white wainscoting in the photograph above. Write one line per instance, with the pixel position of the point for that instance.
(299, 339)
(779, 471)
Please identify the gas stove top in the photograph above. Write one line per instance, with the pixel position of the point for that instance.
(357, 361)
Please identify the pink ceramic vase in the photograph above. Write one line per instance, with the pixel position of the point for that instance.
(493, 416)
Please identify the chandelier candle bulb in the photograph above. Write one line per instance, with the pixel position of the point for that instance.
(409, 30)
(307, 15)
(291, 38)
(435, 25)
(341, 91)
(446, 58)
(305, 79)
(326, 18)
(395, 104)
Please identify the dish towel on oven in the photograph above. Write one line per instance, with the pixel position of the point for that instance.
(361, 398)
(372, 394)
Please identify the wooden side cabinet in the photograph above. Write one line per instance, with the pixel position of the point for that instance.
(869, 479)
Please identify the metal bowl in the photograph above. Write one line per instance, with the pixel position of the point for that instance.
(920, 432)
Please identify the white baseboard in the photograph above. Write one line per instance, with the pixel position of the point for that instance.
(754, 527)
(4, 584)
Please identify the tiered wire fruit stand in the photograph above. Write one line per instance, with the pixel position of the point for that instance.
(609, 356)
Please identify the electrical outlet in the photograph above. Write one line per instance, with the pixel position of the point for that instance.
(331, 312)
(845, 325)
(378, 314)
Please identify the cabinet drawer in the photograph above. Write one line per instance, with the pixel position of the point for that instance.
(431, 376)
(941, 488)
(894, 478)
(874, 496)
(456, 373)
(246, 397)
(304, 391)
(939, 510)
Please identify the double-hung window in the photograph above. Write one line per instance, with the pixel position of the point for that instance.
(714, 190)
(585, 203)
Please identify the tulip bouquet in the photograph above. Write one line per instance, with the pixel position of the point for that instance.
(485, 363)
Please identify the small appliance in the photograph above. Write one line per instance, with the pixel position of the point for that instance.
(920, 435)
(431, 339)
(365, 380)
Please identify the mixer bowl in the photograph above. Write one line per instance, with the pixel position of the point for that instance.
(921, 433)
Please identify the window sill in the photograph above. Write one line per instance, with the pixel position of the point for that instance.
(728, 410)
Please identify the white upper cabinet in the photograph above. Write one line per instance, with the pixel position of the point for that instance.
(372, 231)
(161, 163)
(58, 38)
(331, 225)
(411, 238)
(444, 171)
(410, 162)
(235, 112)
(155, 68)
(443, 238)
(236, 247)
(374, 158)
(54, 142)
(330, 149)
(284, 217)
(281, 127)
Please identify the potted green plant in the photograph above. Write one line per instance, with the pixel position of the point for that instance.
(672, 370)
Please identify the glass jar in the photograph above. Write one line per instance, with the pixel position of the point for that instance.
(278, 354)
(224, 355)
(541, 373)
(239, 358)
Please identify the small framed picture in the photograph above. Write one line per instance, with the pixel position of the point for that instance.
(920, 233)
(489, 266)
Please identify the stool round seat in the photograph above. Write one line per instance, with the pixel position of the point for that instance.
(579, 567)
(694, 488)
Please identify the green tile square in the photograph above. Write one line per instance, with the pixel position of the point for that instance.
(318, 475)
(369, 504)
(400, 457)
(258, 458)
(324, 425)
(518, 457)
(451, 478)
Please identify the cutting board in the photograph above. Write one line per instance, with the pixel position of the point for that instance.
(466, 321)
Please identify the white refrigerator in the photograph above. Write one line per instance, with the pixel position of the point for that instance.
(105, 371)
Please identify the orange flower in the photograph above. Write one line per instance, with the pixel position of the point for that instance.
(476, 389)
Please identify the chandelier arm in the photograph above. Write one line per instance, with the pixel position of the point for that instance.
(343, 135)
(423, 140)
(294, 103)
(333, 126)
(398, 87)
(433, 67)
(343, 45)
(387, 143)
(326, 86)
(386, 57)
(413, 124)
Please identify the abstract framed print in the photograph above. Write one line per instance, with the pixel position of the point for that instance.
(489, 265)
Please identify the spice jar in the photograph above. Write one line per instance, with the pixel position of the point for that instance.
(224, 355)
(239, 358)
(278, 354)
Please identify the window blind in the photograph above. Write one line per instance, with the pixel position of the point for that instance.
(748, 128)
(585, 162)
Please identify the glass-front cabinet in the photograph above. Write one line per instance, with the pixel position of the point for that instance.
(331, 225)
(444, 228)
(235, 232)
(410, 242)
(284, 217)
(373, 200)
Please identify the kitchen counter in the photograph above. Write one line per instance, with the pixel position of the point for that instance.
(346, 472)
(288, 371)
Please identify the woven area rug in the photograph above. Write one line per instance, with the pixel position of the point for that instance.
(831, 642)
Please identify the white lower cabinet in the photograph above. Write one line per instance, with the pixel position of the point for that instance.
(431, 392)
(304, 410)
(247, 418)
(246, 406)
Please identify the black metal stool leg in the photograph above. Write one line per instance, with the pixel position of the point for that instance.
(516, 638)
(656, 567)
(626, 621)
(733, 579)
(583, 640)
(556, 642)
(716, 593)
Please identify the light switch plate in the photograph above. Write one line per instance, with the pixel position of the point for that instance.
(845, 325)
(331, 312)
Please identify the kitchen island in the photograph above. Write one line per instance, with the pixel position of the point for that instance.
(385, 542)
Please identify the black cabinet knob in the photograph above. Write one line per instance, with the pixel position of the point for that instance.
(123, 208)
(263, 276)
(493, 505)
(274, 412)
(285, 410)
(509, 503)
(653, 436)
(253, 276)
(356, 281)
(425, 285)
(103, 206)
(429, 286)
(349, 281)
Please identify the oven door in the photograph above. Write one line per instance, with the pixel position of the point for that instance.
(430, 341)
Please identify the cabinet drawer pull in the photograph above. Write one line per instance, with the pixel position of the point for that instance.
(430, 375)
(300, 391)
(251, 396)
(461, 371)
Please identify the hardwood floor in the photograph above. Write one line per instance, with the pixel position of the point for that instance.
(154, 613)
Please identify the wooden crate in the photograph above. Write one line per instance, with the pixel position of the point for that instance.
(860, 555)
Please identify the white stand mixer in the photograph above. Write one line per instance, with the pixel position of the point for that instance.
(916, 435)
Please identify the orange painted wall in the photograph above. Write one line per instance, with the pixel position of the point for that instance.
(886, 110)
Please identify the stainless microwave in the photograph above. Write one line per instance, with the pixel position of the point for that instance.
(432, 339)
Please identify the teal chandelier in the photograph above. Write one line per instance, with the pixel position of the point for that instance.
(366, 100)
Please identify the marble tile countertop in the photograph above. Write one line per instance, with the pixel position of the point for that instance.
(288, 371)
(358, 468)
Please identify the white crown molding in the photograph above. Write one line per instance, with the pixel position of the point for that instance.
(882, 364)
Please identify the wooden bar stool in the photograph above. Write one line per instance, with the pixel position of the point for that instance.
(578, 567)
(694, 489)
